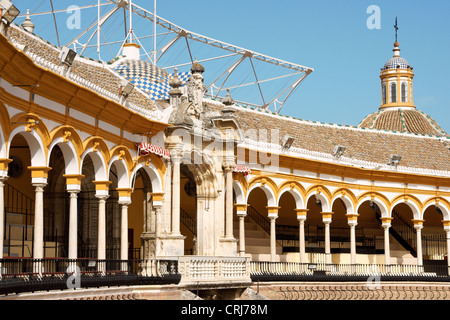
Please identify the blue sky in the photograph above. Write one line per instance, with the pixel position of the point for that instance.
(330, 36)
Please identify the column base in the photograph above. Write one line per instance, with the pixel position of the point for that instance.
(171, 245)
(228, 246)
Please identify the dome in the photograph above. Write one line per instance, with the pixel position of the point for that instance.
(148, 77)
(402, 120)
(396, 62)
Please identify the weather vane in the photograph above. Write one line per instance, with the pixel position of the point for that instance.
(396, 29)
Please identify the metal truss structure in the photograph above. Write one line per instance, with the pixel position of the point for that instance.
(253, 79)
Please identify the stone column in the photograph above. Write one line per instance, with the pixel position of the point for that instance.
(2, 217)
(73, 184)
(124, 201)
(102, 193)
(273, 215)
(326, 219)
(39, 181)
(3, 177)
(447, 231)
(157, 204)
(418, 225)
(241, 212)
(352, 222)
(176, 159)
(228, 168)
(386, 224)
(301, 217)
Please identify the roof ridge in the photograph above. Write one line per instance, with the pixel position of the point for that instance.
(363, 129)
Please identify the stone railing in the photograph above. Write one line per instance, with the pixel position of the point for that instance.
(205, 269)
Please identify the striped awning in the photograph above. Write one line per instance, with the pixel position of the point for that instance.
(242, 169)
(147, 148)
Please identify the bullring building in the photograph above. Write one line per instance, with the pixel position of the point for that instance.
(93, 169)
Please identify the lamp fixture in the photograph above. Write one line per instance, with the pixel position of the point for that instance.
(9, 12)
(67, 56)
(287, 141)
(394, 159)
(338, 151)
(125, 88)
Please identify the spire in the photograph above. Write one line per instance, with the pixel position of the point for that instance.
(396, 44)
(396, 29)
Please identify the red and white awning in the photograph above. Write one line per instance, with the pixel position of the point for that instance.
(242, 169)
(147, 148)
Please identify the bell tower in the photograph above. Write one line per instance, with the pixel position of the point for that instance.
(397, 80)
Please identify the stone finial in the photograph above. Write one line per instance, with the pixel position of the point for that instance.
(228, 101)
(28, 25)
(197, 67)
(175, 82)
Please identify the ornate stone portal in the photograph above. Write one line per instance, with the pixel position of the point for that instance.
(203, 142)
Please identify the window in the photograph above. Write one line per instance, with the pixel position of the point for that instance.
(393, 92)
(404, 92)
(384, 93)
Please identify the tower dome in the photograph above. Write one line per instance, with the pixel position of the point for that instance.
(397, 111)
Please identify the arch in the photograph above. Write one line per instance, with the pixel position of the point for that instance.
(440, 203)
(393, 92)
(404, 91)
(35, 143)
(412, 202)
(239, 192)
(123, 162)
(98, 151)
(99, 163)
(152, 172)
(5, 128)
(347, 197)
(70, 144)
(321, 193)
(381, 201)
(203, 171)
(267, 185)
(296, 190)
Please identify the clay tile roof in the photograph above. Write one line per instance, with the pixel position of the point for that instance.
(417, 151)
(411, 121)
(88, 69)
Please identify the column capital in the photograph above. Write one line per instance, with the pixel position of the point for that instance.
(272, 212)
(4, 167)
(39, 174)
(446, 224)
(352, 219)
(228, 166)
(101, 188)
(157, 198)
(326, 216)
(418, 223)
(124, 195)
(73, 182)
(301, 213)
(386, 221)
(241, 209)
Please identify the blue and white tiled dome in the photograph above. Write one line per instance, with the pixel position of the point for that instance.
(396, 62)
(149, 78)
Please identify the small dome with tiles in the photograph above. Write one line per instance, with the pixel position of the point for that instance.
(396, 62)
(149, 78)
